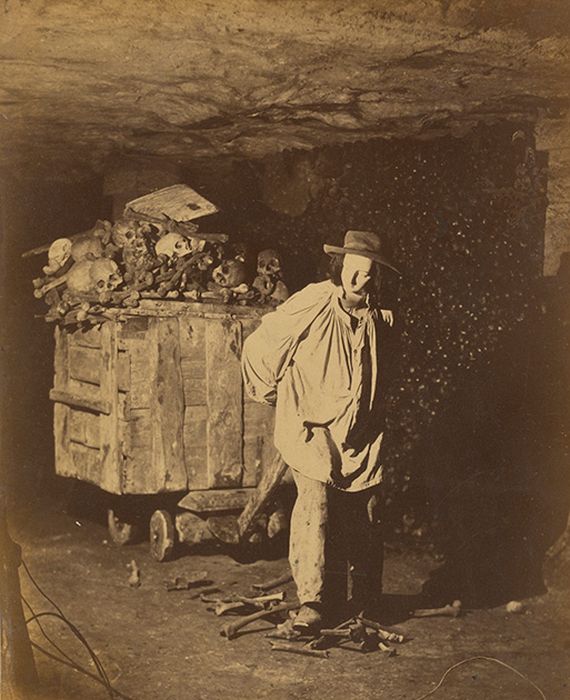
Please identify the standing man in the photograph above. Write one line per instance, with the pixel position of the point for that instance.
(317, 359)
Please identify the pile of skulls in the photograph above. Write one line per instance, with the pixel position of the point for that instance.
(115, 265)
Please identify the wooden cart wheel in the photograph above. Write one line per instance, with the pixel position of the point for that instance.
(161, 535)
(120, 532)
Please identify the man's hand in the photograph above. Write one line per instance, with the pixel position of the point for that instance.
(387, 316)
(374, 507)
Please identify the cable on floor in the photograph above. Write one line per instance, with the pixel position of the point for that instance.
(77, 633)
(77, 668)
(60, 615)
(482, 658)
(44, 633)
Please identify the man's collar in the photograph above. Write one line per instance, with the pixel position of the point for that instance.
(341, 295)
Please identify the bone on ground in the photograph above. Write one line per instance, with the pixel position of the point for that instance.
(230, 630)
(453, 610)
(273, 583)
(296, 649)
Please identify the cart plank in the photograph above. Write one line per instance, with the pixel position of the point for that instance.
(167, 403)
(86, 337)
(79, 401)
(60, 363)
(85, 364)
(62, 455)
(140, 433)
(194, 381)
(195, 440)
(225, 399)
(193, 338)
(85, 427)
(87, 463)
(215, 499)
(111, 455)
(258, 447)
(140, 388)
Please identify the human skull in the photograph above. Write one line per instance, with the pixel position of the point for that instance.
(144, 227)
(230, 273)
(280, 293)
(269, 263)
(86, 247)
(204, 261)
(173, 245)
(136, 247)
(58, 254)
(197, 245)
(79, 280)
(123, 232)
(160, 228)
(105, 275)
(103, 230)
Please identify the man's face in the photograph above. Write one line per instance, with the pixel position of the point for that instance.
(355, 277)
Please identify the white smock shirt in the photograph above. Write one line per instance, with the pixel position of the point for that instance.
(319, 367)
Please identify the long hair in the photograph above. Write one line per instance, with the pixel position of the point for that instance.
(375, 288)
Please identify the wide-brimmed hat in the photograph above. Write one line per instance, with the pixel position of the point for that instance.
(363, 243)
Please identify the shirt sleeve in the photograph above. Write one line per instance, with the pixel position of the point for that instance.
(268, 351)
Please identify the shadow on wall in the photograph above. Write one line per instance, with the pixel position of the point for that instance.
(498, 461)
(34, 212)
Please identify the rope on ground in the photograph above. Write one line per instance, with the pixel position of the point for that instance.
(482, 658)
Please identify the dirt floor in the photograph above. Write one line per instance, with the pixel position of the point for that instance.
(164, 645)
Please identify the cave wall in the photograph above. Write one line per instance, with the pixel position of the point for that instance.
(554, 136)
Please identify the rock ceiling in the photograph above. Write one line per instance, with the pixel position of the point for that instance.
(187, 80)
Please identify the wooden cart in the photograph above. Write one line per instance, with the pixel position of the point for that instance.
(153, 403)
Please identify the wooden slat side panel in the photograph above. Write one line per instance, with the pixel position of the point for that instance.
(193, 338)
(216, 499)
(140, 378)
(91, 392)
(259, 448)
(140, 429)
(85, 364)
(195, 440)
(85, 428)
(258, 419)
(194, 381)
(124, 408)
(123, 371)
(164, 308)
(63, 463)
(87, 463)
(225, 401)
(248, 326)
(138, 471)
(167, 404)
(133, 329)
(86, 338)
(111, 454)
(60, 361)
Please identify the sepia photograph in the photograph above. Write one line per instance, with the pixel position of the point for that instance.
(285, 351)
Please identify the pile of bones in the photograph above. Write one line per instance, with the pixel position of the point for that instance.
(356, 633)
(115, 265)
